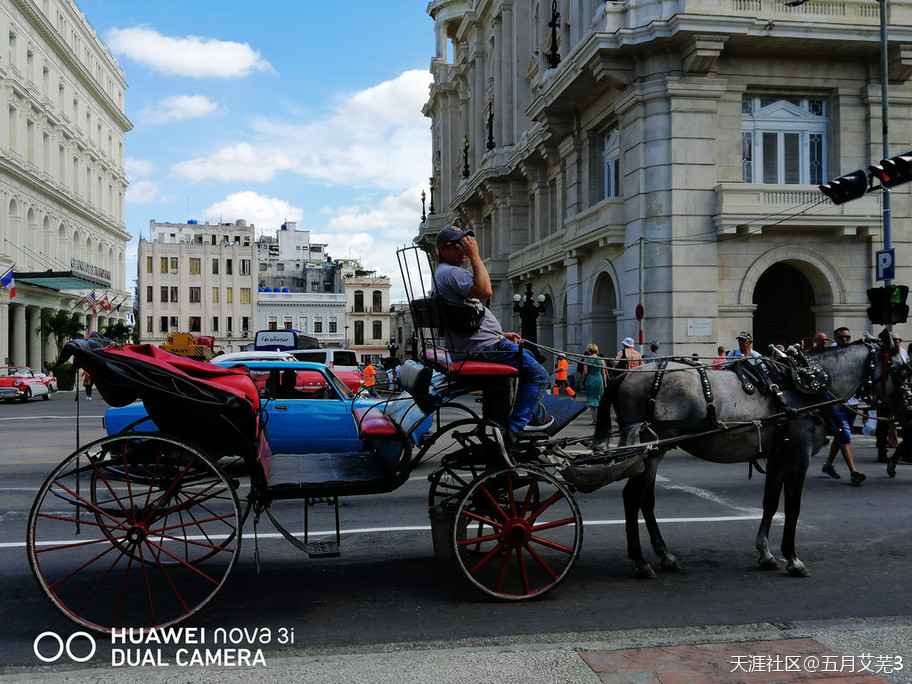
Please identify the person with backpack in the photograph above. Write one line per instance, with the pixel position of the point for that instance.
(628, 358)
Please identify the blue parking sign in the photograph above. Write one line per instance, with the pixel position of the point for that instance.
(884, 264)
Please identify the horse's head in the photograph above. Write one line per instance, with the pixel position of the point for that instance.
(889, 373)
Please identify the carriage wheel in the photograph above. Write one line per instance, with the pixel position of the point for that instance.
(466, 449)
(517, 533)
(134, 531)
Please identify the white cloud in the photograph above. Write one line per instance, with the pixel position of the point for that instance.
(178, 108)
(142, 192)
(137, 168)
(266, 213)
(191, 56)
(376, 138)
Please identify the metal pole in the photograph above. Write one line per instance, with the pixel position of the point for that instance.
(641, 275)
(884, 105)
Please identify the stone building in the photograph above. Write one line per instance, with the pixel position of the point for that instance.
(368, 325)
(667, 153)
(198, 278)
(62, 180)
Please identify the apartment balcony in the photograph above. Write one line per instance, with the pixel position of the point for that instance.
(755, 207)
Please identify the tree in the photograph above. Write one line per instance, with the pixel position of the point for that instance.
(118, 331)
(63, 325)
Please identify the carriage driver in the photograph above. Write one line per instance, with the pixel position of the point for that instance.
(490, 343)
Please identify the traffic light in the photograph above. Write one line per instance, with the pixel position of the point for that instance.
(848, 187)
(894, 171)
(888, 304)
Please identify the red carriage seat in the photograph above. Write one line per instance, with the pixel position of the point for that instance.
(465, 368)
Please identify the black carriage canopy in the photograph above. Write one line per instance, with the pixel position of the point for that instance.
(182, 396)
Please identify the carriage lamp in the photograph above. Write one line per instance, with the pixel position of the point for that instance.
(529, 307)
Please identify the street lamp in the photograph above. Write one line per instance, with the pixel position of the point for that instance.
(347, 345)
(528, 306)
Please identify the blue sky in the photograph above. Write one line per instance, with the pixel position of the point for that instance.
(284, 110)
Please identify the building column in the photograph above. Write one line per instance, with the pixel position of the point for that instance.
(17, 336)
(574, 332)
(4, 332)
(33, 341)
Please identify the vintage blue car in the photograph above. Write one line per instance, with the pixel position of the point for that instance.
(308, 408)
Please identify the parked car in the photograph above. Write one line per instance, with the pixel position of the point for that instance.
(20, 383)
(343, 362)
(48, 380)
(308, 409)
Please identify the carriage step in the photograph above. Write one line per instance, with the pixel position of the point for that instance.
(322, 549)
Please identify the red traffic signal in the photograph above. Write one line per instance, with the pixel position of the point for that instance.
(894, 171)
(848, 187)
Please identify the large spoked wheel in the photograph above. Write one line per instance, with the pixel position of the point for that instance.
(466, 448)
(137, 530)
(517, 533)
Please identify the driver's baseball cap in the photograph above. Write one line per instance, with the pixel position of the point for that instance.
(452, 234)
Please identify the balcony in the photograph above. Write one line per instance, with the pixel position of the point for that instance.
(754, 207)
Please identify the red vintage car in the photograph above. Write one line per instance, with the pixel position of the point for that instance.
(20, 383)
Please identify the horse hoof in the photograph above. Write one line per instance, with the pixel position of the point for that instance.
(768, 563)
(671, 564)
(644, 571)
(797, 569)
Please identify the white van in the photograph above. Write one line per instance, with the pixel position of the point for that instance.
(336, 359)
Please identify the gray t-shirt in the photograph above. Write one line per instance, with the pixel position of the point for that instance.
(453, 284)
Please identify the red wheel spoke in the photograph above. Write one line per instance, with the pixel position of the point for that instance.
(541, 561)
(523, 573)
(545, 505)
(486, 558)
(478, 540)
(490, 497)
(551, 544)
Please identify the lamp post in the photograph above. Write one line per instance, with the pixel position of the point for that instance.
(529, 307)
(423, 212)
(347, 345)
(465, 158)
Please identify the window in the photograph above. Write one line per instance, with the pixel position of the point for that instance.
(286, 323)
(245, 323)
(229, 324)
(215, 268)
(195, 324)
(280, 267)
(149, 296)
(272, 323)
(245, 295)
(611, 154)
(174, 297)
(215, 324)
(149, 324)
(302, 323)
(377, 330)
(195, 295)
(172, 321)
(333, 324)
(148, 264)
(164, 293)
(215, 295)
(377, 306)
(229, 295)
(245, 266)
(163, 265)
(359, 301)
(315, 287)
(229, 269)
(163, 324)
(783, 140)
(174, 264)
(195, 265)
(263, 266)
(318, 324)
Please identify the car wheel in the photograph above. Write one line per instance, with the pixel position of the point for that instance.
(27, 395)
(46, 397)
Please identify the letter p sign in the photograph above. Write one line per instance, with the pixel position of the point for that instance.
(885, 267)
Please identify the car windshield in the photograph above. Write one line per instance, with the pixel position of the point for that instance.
(311, 356)
(340, 386)
(344, 358)
(19, 372)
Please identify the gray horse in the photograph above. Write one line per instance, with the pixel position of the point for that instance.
(717, 416)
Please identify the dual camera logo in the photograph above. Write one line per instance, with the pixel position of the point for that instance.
(49, 647)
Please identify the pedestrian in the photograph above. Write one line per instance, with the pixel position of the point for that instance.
(595, 379)
(653, 352)
(560, 377)
(369, 380)
(841, 419)
(471, 328)
(820, 341)
(627, 357)
(87, 384)
(719, 362)
(745, 349)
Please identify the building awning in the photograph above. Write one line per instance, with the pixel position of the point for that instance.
(61, 280)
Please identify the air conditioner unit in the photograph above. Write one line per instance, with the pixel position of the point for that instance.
(228, 334)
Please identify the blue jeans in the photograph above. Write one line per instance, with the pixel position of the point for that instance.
(534, 380)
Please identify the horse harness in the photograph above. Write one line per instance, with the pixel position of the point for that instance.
(709, 421)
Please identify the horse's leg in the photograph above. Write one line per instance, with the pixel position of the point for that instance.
(668, 562)
(771, 490)
(796, 467)
(640, 488)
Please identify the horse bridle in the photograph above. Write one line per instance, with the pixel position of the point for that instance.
(882, 354)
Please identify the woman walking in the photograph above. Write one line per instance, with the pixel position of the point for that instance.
(595, 379)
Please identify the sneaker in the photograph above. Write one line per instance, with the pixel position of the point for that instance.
(831, 472)
(858, 478)
(539, 423)
(891, 467)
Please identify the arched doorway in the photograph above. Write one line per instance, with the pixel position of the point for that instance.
(785, 307)
(603, 320)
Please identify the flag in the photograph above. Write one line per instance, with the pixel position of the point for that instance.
(104, 303)
(91, 299)
(9, 283)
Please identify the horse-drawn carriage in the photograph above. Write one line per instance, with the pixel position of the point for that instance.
(142, 529)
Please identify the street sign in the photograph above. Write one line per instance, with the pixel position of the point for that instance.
(885, 264)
